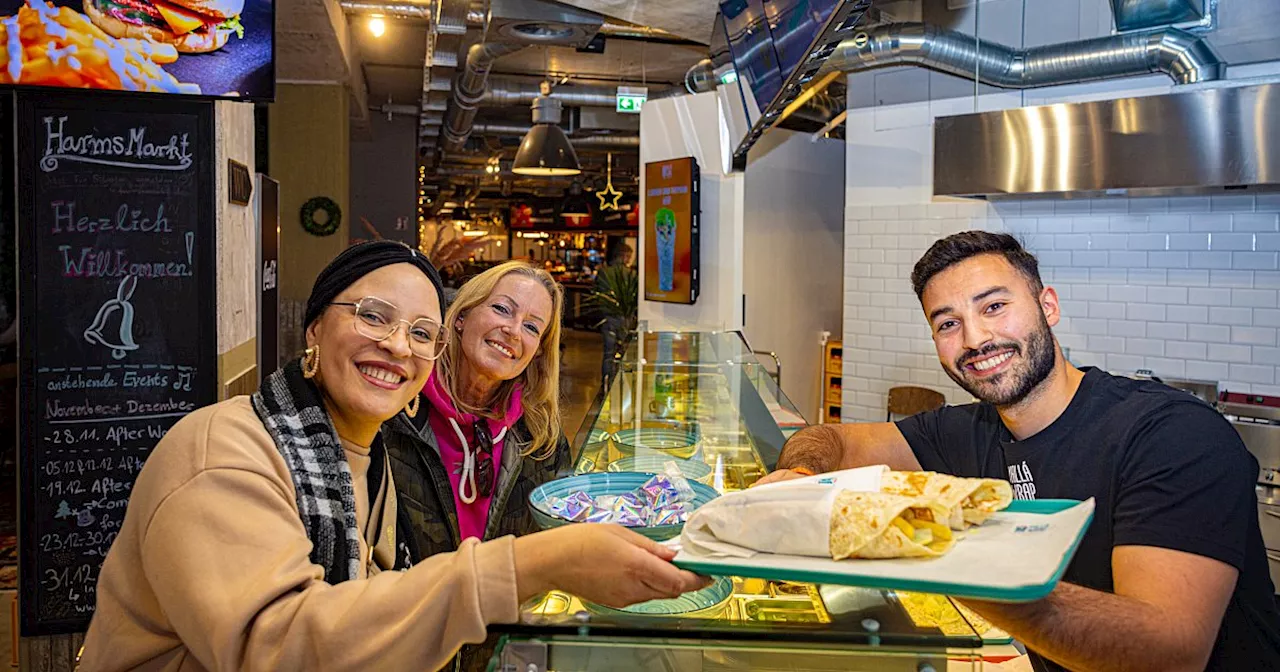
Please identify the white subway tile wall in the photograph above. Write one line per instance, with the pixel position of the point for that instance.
(1187, 287)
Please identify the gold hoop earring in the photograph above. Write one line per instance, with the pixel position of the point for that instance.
(311, 362)
(412, 408)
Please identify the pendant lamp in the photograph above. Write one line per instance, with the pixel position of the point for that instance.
(545, 150)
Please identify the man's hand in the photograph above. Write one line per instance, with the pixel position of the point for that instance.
(823, 448)
(1164, 615)
(778, 476)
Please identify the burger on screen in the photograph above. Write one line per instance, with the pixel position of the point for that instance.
(191, 26)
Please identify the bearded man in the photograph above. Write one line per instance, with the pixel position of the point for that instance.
(1172, 573)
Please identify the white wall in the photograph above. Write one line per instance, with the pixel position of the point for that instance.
(792, 255)
(672, 128)
(1186, 287)
(237, 242)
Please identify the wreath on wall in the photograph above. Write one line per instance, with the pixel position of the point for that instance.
(321, 216)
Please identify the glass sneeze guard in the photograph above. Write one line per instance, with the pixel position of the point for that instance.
(704, 401)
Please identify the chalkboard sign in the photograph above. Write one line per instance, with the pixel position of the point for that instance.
(118, 336)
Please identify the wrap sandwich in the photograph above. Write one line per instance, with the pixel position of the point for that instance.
(878, 525)
(968, 501)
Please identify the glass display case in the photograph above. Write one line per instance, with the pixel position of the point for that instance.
(703, 401)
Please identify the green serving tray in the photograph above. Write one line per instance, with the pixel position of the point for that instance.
(1021, 593)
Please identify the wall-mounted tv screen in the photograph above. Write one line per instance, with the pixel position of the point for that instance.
(216, 48)
(671, 216)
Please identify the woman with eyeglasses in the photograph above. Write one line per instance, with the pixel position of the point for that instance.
(265, 533)
(488, 430)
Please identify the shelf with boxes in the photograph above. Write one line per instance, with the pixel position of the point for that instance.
(831, 395)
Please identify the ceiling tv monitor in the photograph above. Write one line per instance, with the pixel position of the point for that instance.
(794, 25)
(209, 48)
(754, 57)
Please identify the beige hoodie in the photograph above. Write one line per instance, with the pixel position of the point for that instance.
(211, 571)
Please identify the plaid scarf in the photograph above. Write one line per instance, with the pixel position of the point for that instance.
(290, 407)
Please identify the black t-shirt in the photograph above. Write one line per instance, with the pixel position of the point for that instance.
(1164, 469)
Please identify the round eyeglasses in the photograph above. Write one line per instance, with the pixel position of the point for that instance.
(378, 320)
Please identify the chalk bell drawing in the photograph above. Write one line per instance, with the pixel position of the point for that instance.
(120, 305)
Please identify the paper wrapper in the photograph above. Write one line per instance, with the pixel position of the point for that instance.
(792, 517)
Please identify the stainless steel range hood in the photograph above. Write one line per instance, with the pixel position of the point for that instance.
(1213, 140)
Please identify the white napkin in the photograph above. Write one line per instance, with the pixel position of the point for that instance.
(791, 517)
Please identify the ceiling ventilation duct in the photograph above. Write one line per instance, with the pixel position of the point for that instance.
(1183, 56)
(513, 25)
(508, 90)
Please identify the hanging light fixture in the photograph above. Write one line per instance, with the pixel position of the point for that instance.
(545, 150)
(576, 203)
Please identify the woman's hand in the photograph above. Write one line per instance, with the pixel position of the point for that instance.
(605, 564)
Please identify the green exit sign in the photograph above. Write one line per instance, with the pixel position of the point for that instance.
(631, 98)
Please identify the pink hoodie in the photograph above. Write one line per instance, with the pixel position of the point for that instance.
(447, 422)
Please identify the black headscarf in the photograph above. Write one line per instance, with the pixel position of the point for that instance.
(359, 260)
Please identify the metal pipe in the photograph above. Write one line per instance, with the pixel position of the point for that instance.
(1179, 54)
(700, 77)
(584, 140)
(469, 90)
(632, 141)
(391, 108)
(634, 32)
(509, 90)
(475, 18)
(398, 10)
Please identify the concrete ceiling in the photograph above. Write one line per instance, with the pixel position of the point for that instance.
(690, 19)
(393, 62)
(628, 60)
(318, 43)
(314, 45)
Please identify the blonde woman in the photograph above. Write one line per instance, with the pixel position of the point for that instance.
(263, 533)
(488, 431)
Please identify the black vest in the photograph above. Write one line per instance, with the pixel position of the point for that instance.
(426, 497)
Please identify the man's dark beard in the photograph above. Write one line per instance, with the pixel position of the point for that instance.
(1039, 354)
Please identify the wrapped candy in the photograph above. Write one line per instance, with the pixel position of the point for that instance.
(667, 488)
(665, 499)
(575, 507)
(674, 515)
(600, 516)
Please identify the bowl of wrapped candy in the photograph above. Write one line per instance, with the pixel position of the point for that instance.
(655, 505)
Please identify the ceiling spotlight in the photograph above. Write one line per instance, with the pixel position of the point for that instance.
(377, 26)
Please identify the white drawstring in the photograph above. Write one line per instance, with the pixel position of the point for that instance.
(469, 463)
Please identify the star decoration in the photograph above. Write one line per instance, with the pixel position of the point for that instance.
(609, 197)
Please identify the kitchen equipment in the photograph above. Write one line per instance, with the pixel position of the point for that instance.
(1204, 390)
(1258, 422)
(1257, 419)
